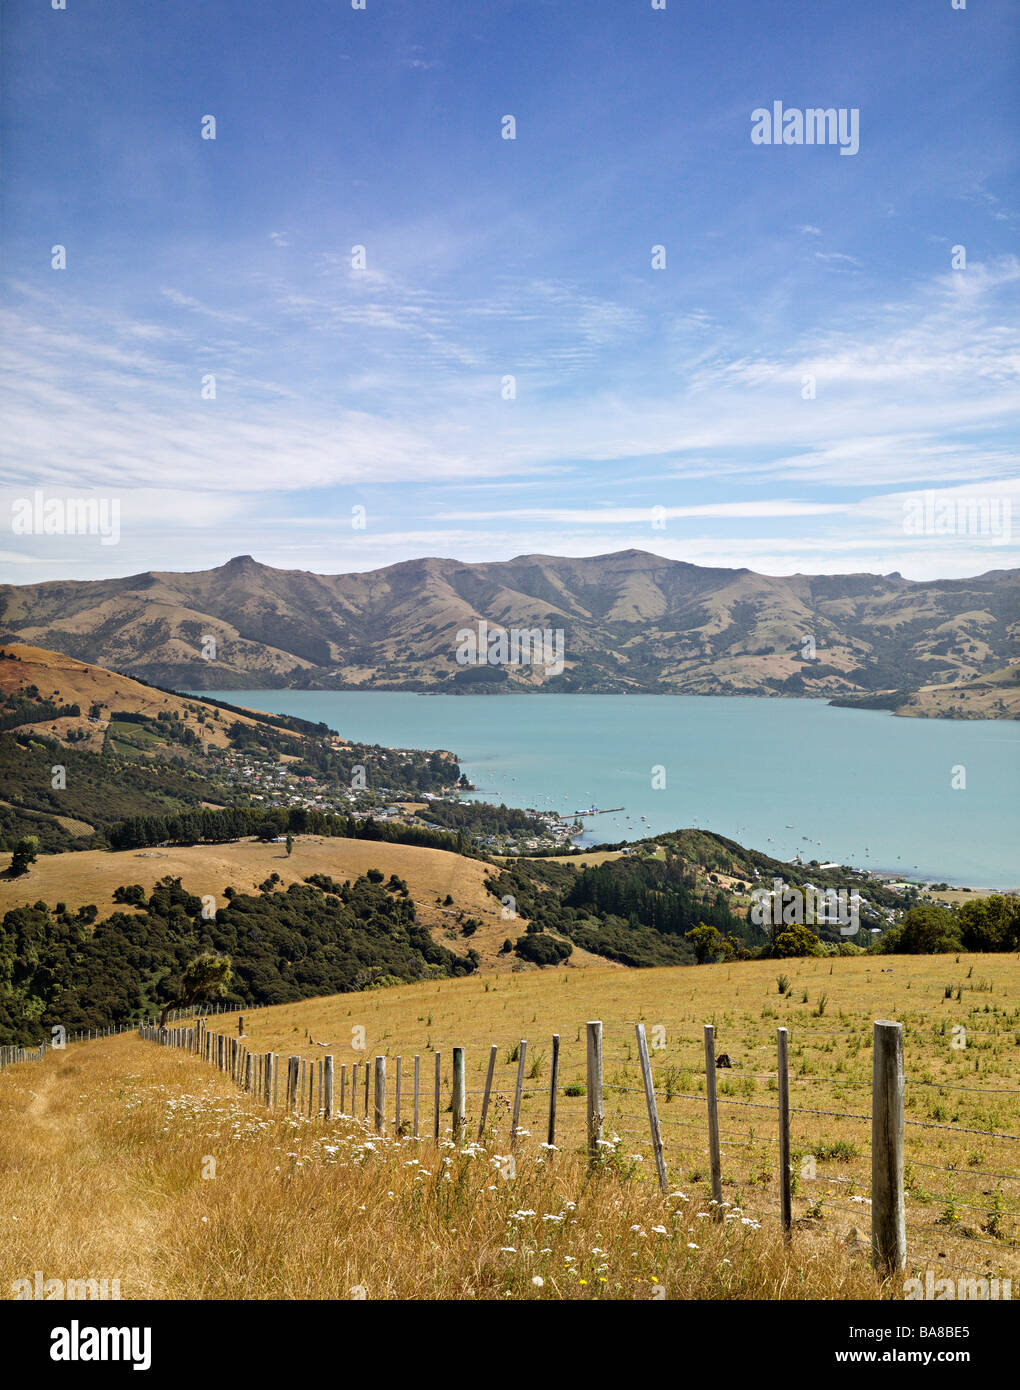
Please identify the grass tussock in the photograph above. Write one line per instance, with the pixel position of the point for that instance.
(123, 1160)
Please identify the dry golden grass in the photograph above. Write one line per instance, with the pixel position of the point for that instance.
(103, 1149)
(90, 876)
(102, 1146)
(957, 1176)
(71, 681)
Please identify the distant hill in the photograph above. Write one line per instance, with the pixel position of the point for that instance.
(65, 681)
(995, 695)
(631, 621)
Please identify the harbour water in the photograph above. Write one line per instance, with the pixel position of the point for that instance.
(935, 799)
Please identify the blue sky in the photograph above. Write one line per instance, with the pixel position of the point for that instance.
(679, 389)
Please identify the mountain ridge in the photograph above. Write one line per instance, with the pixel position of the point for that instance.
(631, 621)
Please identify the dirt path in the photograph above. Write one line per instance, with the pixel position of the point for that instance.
(87, 1179)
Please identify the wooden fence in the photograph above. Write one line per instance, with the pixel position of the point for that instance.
(9, 1055)
(313, 1088)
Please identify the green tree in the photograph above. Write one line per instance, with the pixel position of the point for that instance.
(925, 930)
(990, 924)
(796, 940)
(205, 977)
(290, 843)
(25, 852)
(706, 942)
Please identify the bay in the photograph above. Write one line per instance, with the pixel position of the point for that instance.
(854, 786)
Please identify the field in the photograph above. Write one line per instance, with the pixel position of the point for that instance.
(90, 876)
(103, 1145)
(121, 1160)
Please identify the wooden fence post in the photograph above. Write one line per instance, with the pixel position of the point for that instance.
(554, 1077)
(327, 1087)
(343, 1087)
(354, 1089)
(368, 1077)
(783, 1071)
(396, 1088)
(417, 1092)
(459, 1097)
(488, 1089)
(435, 1134)
(380, 1095)
(888, 1230)
(318, 1070)
(653, 1114)
(714, 1159)
(518, 1090)
(594, 1087)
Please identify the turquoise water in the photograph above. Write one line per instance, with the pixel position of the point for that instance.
(858, 787)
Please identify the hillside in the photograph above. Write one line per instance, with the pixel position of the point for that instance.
(631, 621)
(100, 694)
(995, 695)
(104, 1146)
(83, 748)
(96, 936)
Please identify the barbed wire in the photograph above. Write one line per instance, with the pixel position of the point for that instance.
(961, 1129)
(974, 1090)
(943, 1232)
(960, 1269)
(965, 1172)
(969, 1206)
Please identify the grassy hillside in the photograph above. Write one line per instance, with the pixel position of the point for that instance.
(993, 695)
(99, 694)
(105, 1148)
(88, 879)
(105, 1167)
(957, 1178)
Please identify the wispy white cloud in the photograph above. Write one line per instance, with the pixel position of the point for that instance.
(607, 516)
(395, 386)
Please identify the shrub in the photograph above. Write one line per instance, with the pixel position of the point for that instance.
(542, 949)
(133, 895)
